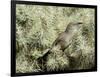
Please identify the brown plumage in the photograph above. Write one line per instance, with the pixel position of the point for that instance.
(65, 37)
(63, 40)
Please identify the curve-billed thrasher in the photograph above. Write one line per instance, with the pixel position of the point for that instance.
(65, 37)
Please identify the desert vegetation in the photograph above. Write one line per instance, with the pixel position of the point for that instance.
(37, 27)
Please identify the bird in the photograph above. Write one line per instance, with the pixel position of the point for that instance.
(63, 40)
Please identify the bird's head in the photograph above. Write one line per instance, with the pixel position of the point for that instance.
(73, 26)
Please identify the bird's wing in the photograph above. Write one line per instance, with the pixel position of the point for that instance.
(60, 38)
(56, 42)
